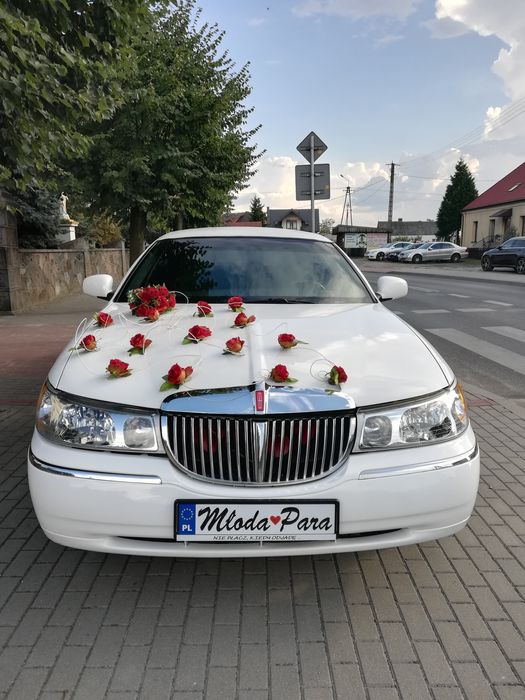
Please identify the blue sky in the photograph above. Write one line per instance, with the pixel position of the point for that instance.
(378, 80)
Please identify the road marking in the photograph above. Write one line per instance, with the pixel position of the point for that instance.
(507, 331)
(460, 296)
(474, 309)
(399, 313)
(498, 303)
(430, 311)
(495, 353)
(421, 289)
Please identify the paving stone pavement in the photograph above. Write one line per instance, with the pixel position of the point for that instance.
(441, 621)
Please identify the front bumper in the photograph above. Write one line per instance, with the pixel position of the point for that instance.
(125, 503)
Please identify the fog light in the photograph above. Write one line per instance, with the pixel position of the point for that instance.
(139, 432)
(377, 431)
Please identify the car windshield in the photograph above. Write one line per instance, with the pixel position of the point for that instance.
(425, 245)
(260, 269)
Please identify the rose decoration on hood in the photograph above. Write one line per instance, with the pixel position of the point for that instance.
(196, 334)
(88, 343)
(280, 375)
(337, 375)
(287, 341)
(150, 302)
(102, 319)
(117, 369)
(139, 344)
(233, 346)
(176, 376)
(236, 303)
(204, 309)
(242, 320)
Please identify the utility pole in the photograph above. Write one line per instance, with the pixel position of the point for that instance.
(312, 180)
(391, 196)
(347, 204)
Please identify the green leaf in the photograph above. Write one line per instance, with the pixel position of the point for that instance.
(290, 380)
(136, 351)
(166, 385)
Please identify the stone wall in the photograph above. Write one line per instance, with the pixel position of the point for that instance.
(45, 275)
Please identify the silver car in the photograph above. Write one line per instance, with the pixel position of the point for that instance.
(437, 250)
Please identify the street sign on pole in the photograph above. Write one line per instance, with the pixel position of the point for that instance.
(305, 147)
(321, 181)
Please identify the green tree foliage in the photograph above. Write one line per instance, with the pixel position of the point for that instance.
(326, 227)
(37, 217)
(60, 65)
(257, 212)
(179, 145)
(460, 192)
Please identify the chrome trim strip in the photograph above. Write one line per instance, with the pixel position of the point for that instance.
(416, 468)
(96, 476)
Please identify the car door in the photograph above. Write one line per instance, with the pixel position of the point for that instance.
(445, 251)
(504, 254)
(432, 252)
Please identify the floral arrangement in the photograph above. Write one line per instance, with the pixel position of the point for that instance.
(287, 341)
(139, 344)
(150, 302)
(117, 369)
(241, 321)
(280, 375)
(196, 334)
(233, 346)
(103, 319)
(176, 376)
(88, 343)
(337, 375)
(204, 309)
(236, 304)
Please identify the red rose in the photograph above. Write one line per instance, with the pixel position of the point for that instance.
(235, 303)
(196, 334)
(177, 375)
(337, 375)
(286, 340)
(103, 319)
(140, 342)
(171, 301)
(141, 311)
(152, 314)
(235, 344)
(163, 290)
(279, 373)
(89, 342)
(203, 308)
(117, 368)
(242, 320)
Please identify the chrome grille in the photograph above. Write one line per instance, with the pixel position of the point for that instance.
(258, 450)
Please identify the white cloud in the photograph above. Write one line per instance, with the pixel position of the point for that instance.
(388, 39)
(445, 28)
(256, 21)
(357, 9)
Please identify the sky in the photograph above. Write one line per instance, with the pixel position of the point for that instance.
(418, 82)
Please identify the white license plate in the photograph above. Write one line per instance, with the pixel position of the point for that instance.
(255, 521)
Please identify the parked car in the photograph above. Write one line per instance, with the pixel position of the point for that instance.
(380, 253)
(294, 426)
(393, 255)
(509, 254)
(439, 250)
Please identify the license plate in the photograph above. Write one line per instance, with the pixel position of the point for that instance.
(255, 521)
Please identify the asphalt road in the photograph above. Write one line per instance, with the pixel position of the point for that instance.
(479, 328)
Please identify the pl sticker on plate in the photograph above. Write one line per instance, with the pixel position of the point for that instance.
(255, 521)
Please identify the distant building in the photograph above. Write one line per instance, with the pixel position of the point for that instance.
(239, 218)
(497, 214)
(417, 230)
(292, 219)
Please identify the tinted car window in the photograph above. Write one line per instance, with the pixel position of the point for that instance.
(260, 269)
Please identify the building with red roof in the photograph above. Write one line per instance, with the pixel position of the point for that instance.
(498, 213)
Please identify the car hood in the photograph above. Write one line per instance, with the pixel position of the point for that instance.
(385, 359)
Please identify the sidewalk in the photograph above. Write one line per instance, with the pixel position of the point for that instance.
(459, 270)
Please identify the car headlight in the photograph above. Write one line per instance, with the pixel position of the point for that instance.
(79, 424)
(433, 420)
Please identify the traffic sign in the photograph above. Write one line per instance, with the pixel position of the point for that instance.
(303, 179)
(304, 147)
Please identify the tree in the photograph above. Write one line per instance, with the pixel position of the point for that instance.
(60, 65)
(460, 191)
(37, 217)
(178, 147)
(257, 212)
(326, 227)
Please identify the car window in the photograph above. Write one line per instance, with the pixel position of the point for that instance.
(260, 269)
(518, 243)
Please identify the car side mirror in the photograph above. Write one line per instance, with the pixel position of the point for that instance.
(500, 247)
(391, 288)
(100, 286)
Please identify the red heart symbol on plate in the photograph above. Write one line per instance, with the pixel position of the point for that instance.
(275, 519)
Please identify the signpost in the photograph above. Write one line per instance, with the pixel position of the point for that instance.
(311, 147)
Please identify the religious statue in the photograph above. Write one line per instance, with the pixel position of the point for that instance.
(62, 214)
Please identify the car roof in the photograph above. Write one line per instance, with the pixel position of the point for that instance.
(244, 232)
